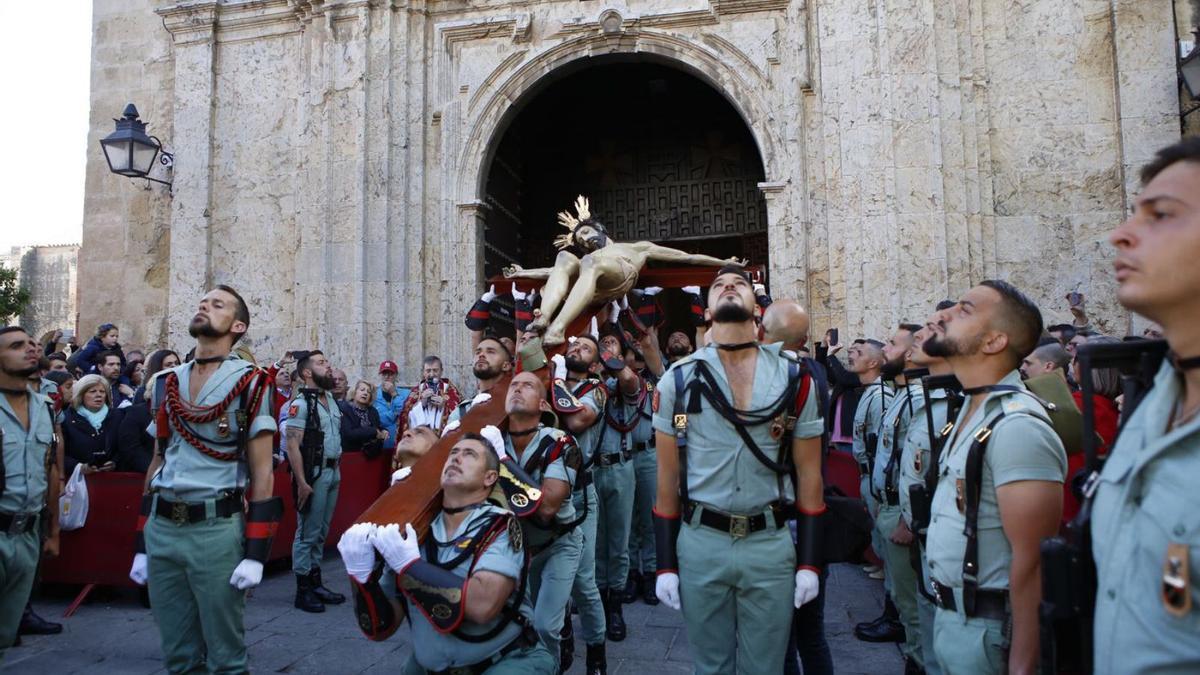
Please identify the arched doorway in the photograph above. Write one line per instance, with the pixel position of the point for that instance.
(660, 153)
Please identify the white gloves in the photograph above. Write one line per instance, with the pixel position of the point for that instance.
(560, 366)
(399, 550)
(357, 552)
(247, 574)
(492, 433)
(490, 295)
(614, 311)
(666, 587)
(759, 289)
(481, 397)
(451, 426)
(807, 586)
(652, 291)
(694, 290)
(138, 571)
(594, 329)
(400, 474)
(517, 294)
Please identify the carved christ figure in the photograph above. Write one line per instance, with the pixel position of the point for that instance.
(607, 271)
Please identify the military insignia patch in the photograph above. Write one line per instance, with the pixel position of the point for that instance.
(601, 397)
(917, 463)
(515, 535)
(441, 612)
(520, 501)
(655, 404)
(294, 410)
(777, 428)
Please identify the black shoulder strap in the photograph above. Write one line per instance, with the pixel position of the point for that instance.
(680, 423)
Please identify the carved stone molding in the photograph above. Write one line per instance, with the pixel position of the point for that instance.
(518, 27)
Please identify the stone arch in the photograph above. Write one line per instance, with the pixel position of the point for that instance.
(487, 125)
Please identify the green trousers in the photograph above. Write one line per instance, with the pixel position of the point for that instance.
(926, 611)
(877, 544)
(641, 534)
(736, 596)
(313, 527)
(584, 591)
(18, 565)
(614, 486)
(969, 646)
(533, 660)
(551, 577)
(199, 614)
(897, 569)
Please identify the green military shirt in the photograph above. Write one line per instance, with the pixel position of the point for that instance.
(329, 418)
(436, 651)
(1022, 447)
(190, 475)
(564, 467)
(900, 413)
(644, 432)
(622, 410)
(588, 440)
(24, 455)
(722, 472)
(914, 461)
(868, 417)
(1146, 510)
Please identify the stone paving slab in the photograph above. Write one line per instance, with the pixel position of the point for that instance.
(114, 634)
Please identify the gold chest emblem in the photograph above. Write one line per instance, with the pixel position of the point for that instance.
(520, 501)
(918, 464)
(223, 427)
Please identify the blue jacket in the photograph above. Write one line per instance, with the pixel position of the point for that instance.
(389, 411)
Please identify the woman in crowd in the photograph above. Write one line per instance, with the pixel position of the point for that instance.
(135, 372)
(361, 428)
(135, 447)
(89, 427)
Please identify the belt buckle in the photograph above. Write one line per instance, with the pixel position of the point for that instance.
(739, 526)
(179, 513)
(19, 522)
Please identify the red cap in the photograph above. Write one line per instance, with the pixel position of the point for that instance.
(388, 367)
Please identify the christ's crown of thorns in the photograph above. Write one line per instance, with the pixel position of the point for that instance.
(583, 212)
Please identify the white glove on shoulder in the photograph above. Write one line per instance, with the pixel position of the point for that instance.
(490, 295)
(518, 294)
(594, 329)
(400, 474)
(247, 574)
(138, 571)
(614, 312)
(666, 587)
(808, 584)
(652, 291)
(358, 554)
(481, 397)
(451, 426)
(493, 435)
(560, 366)
(694, 290)
(760, 289)
(399, 550)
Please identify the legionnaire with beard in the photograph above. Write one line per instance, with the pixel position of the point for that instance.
(492, 362)
(999, 490)
(317, 485)
(214, 432)
(738, 424)
(1146, 514)
(679, 345)
(890, 527)
(29, 477)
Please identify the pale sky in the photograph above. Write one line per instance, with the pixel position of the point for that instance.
(44, 71)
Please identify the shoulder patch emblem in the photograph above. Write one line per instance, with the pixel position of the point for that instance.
(515, 534)
(601, 397)
(656, 397)
(292, 411)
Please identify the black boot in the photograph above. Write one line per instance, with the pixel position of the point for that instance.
(325, 595)
(597, 662)
(632, 584)
(649, 596)
(912, 668)
(890, 613)
(890, 630)
(566, 645)
(306, 599)
(612, 614)
(32, 624)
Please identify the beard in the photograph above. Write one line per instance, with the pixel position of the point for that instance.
(678, 350)
(486, 371)
(576, 364)
(22, 372)
(943, 346)
(202, 327)
(324, 382)
(891, 369)
(731, 313)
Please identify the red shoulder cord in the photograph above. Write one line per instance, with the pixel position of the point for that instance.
(177, 411)
(635, 418)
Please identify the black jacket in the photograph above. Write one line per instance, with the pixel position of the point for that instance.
(847, 390)
(84, 444)
(135, 447)
(357, 437)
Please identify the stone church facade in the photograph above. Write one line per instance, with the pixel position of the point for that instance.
(343, 162)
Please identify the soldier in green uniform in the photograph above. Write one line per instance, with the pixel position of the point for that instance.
(472, 544)
(1146, 514)
(28, 477)
(999, 490)
(492, 362)
(196, 548)
(549, 458)
(866, 361)
(738, 426)
(645, 469)
(917, 463)
(890, 527)
(314, 448)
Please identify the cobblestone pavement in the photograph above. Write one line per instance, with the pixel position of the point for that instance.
(114, 634)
